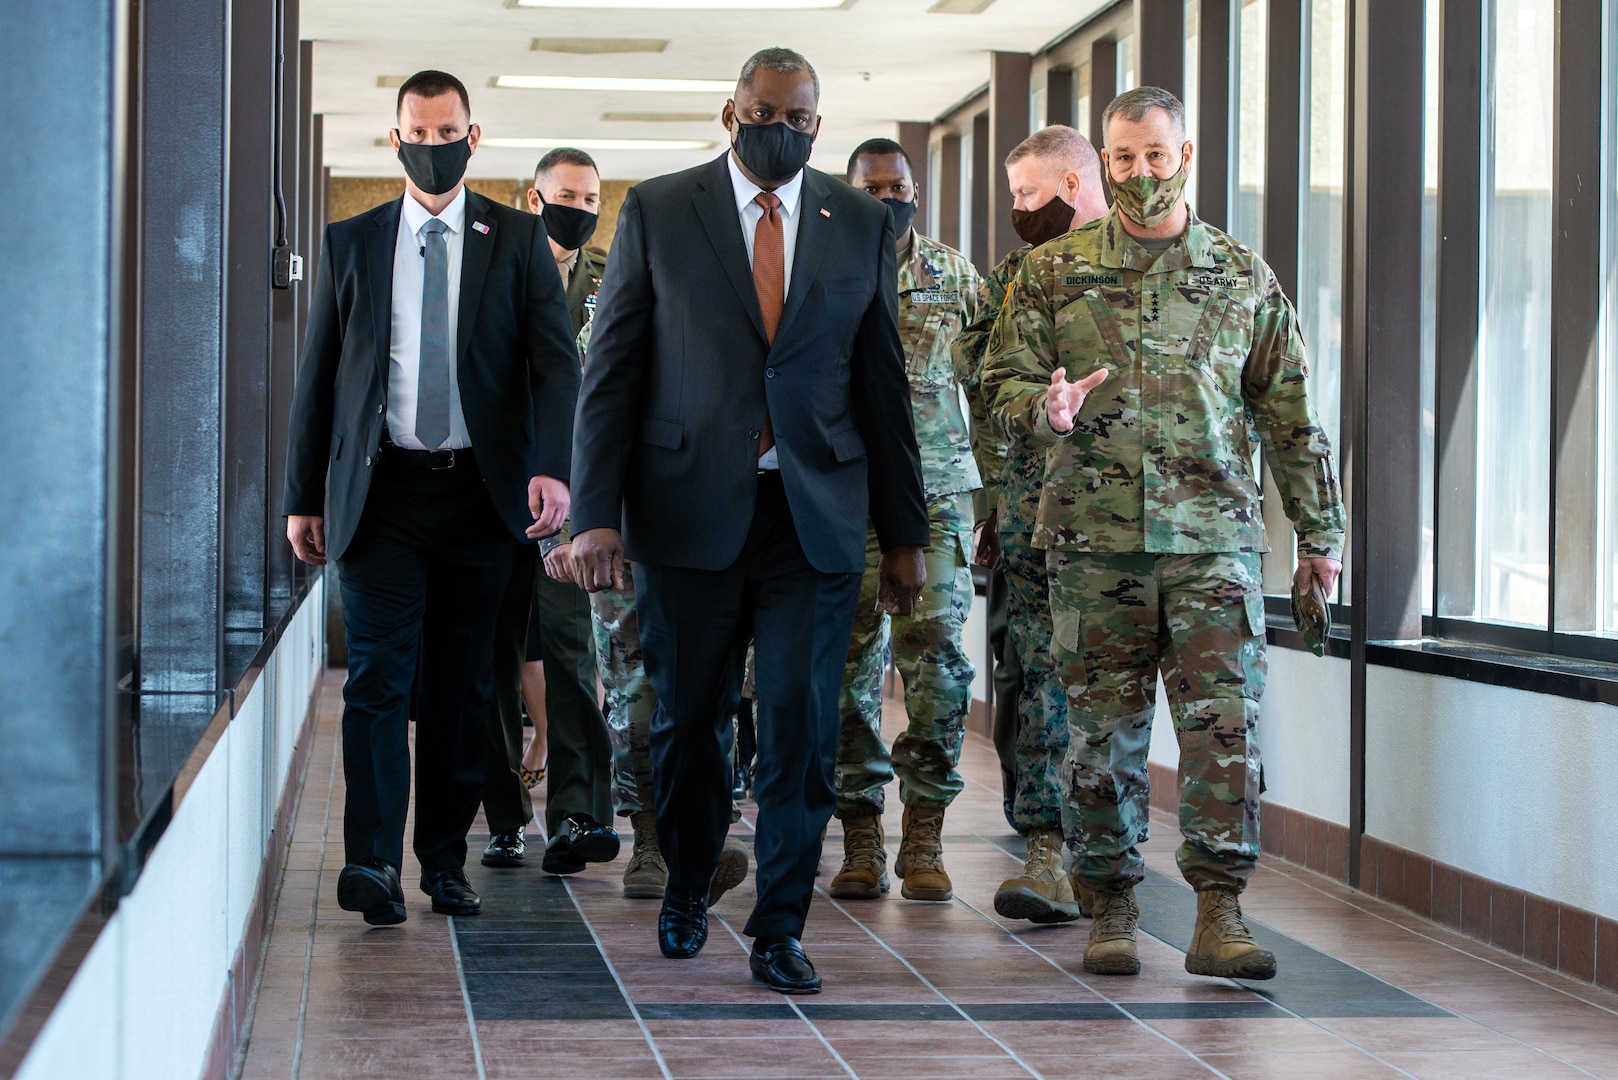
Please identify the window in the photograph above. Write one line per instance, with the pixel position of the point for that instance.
(1514, 358)
(1247, 200)
(1128, 78)
(1036, 107)
(1432, 75)
(1081, 100)
(935, 168)
(1608, 523)
(1193, 16)
(1320, 249)
(967, 150)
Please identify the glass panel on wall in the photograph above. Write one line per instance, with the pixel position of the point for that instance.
(1320, 247)
(1608, 622)
(1193, 23)
(1036, 107)
(1432, 74)
(967, 150)
(1081, 99)
(935, 168)
(1514, 354)
(1247, 202)
(1128, 78)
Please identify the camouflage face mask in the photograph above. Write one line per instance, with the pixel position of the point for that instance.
(1146, 200)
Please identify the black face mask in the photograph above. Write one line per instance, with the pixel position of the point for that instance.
(903, 214)
(773, 152)
(569, 226)
(1041, 226)
(438, 167)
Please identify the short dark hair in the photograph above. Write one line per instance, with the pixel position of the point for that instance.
(563, 155)
(431, 84)
(879, 148)
(779, 60)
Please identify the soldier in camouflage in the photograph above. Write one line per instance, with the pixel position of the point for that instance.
(1150, 518)
(1055, 179)
(937, 297)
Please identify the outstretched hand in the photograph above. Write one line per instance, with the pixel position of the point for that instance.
(1063, 399)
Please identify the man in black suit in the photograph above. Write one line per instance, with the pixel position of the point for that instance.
(744, 408)
(437, 390)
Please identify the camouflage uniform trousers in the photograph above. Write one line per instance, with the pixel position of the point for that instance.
(1117, 620)
(630, 698)
(927, 650)
(1042, 705)
(629, 695)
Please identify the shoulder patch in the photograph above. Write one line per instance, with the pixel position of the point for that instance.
(1072, 281)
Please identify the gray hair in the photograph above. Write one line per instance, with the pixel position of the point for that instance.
(779, 60)
(1133, 105)
(1059, 146)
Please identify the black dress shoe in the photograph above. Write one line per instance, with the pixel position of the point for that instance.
(372, 888)
(780, 964)
(452, 894)
(505, 849)
(580, 839)
(682, 925)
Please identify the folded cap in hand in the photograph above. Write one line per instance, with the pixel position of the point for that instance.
(1311, 613)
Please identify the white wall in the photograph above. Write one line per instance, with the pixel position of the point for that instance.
(1518, 787)
(144, 1002)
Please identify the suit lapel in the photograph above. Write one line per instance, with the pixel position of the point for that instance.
(380, 243)
(476, 247)
(715, 203)
(813, 227)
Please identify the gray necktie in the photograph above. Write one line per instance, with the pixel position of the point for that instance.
(432, 385)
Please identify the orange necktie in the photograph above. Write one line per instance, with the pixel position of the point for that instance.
(769, 278)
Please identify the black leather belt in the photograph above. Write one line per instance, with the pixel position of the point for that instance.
(432, 460)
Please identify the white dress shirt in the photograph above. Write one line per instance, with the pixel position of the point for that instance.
(404, 346)
(751, 213)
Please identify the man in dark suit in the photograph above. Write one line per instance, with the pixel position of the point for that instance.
(544, 644)
(436, 390)
(744, 408)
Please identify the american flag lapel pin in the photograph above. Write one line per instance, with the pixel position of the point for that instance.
(480, 227)
(824, 212)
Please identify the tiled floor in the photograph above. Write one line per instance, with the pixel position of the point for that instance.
(563, 979)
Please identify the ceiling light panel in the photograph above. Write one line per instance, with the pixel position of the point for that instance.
(660, 117)
(960, 7)
(598, 144)
(587, 82)
(691, 5)
(598, 46)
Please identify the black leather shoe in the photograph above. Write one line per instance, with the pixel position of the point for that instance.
(452, 894)
(780, 964)
(372, 888)
(682, 925)
(580, 839)
(505, 849)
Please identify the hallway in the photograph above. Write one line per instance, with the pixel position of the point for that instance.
(563, 979)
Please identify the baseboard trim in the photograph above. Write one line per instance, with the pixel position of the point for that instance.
(1578, 943)
(230, 1023)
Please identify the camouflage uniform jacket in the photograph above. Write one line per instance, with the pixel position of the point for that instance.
(938, 291)
(1013, 464)
(1201, 346)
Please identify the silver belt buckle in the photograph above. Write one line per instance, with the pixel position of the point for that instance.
(449, 465)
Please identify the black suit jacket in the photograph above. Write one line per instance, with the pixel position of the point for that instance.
(666, 438)
(517, 366)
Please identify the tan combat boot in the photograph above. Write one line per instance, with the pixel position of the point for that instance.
(647, 874)
(864, 875)
(921, 855)
(731, 871)
(1111, 950)
(1221, 945)
(1043, 893)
